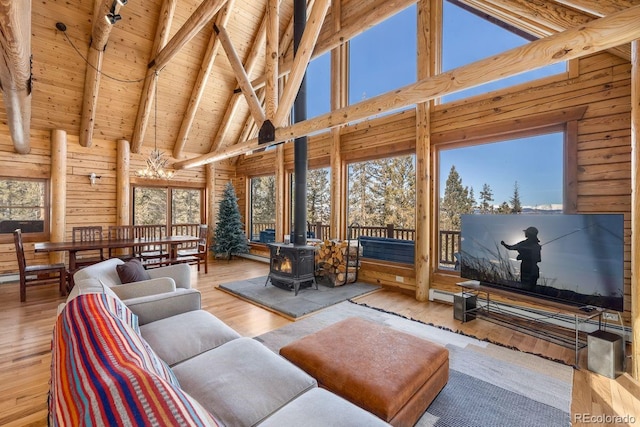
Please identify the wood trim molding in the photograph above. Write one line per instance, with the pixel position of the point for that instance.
(504, 129)
(570, 185)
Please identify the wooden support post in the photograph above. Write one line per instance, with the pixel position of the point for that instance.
(635, 208)
(280, 193)
(429, 24)
(122, 182)
(211, 198)
(339, 99)
(58, 190)
(390, 231)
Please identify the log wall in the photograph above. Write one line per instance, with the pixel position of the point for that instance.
(601, 83)
(85, 204)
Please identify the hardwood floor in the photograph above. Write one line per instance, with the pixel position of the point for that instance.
(25, 340)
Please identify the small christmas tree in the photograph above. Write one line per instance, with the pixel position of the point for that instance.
(229, 236)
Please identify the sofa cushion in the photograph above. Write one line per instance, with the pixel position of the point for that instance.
(178, 338)
(321, 408)
(242, 382)
(114, 381)
(105, 271)
(132, 271)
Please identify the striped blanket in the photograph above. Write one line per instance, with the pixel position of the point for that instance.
(103, 373)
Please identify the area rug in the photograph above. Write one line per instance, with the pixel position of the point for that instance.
(488, 385)
(293, 306)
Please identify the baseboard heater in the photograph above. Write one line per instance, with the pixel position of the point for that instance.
(254, 257)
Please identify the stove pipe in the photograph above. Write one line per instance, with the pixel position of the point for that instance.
(300, 144)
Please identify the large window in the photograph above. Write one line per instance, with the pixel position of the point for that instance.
(382, 197)
(319, 86)
(375, 68)
(186, 206)
(523, 175)
(318, 202)
(167, 205)
(24, 205)
(467, 37)
(263, 208)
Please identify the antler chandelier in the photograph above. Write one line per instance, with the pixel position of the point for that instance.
(156, 162)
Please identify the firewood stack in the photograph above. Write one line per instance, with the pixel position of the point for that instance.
(335, 262)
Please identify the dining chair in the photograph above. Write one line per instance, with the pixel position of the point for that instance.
(200, 251)
(152, 253)
(120, 232)
(88, 234)
(41, 274)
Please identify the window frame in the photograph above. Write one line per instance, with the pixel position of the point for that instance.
(46, 208)
(250, 205)
(564, 121)
(397, 154)
(169, 196)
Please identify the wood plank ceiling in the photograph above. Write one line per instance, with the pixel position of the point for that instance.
(198, 70)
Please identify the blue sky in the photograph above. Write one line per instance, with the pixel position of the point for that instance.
(384, 58)
(534, 163)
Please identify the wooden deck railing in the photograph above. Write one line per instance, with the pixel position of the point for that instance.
(389, 231)
(449, 241)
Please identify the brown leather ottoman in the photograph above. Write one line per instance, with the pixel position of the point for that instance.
(392, 374)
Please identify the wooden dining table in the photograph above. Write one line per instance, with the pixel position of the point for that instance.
(74, 247)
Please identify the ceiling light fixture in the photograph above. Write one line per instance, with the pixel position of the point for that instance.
(112, 18)
(156, 163)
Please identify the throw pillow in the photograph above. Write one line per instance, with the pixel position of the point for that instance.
(132, 271)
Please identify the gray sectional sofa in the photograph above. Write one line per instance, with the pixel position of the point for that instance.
(237, 380)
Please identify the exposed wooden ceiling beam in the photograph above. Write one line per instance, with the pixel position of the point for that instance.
(15, 70)
(241, 75)
(201, 81)
(599, 8)
(234, 101)
(595, 36)
(233, 104)
(272, 53)
(148, 88)
(301, 60)
(99, 38)
(201, 17)
(541, 19)
(376, 13)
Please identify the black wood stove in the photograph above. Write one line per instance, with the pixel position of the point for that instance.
(292, 266)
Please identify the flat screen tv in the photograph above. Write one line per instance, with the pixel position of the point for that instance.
(572, 259)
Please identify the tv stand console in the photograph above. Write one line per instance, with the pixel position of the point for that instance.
(550, 323)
